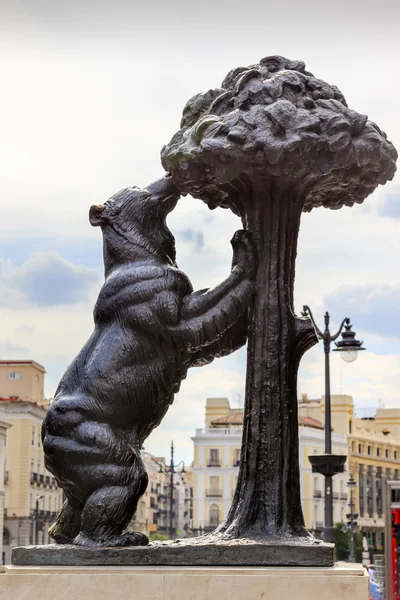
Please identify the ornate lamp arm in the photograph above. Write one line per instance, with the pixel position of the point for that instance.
(307, 313)
(347, 321)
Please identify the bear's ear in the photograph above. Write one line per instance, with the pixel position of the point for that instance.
(95, 213)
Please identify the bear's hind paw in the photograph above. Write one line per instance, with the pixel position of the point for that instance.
(131, 538)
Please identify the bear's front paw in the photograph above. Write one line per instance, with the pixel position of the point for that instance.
(244, 254)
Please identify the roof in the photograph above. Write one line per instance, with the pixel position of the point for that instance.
(310, 422)
(22, 363)
(236, 418)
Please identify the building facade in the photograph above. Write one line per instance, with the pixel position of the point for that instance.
(217, 461)
(153, 514)
(373, 456)
(3, 478)
(32, 498)
(23, 379)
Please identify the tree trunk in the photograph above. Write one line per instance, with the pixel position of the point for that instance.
(266, 503)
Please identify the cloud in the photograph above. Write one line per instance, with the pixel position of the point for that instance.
(46, 279)
(372, 307)
(194, 236)
(390, 206)
(9, 349)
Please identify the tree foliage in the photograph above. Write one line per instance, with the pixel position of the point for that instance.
(342, 543)
(275, 119)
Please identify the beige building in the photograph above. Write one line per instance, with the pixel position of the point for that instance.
(23, 379)
(3, 477)
(28, 485)
(217, 461)
(373, 456)
(31, 496)
(154, 507)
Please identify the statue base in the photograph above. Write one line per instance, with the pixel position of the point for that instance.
(184, 583)
(307, 552)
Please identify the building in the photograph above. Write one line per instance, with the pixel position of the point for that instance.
(312, 441)
(23, 379)
(217, 461)
(3, 478)
(153, 514)
(373, 456)
(32, 498)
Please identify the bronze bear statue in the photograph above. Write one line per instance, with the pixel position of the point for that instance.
(150, 328)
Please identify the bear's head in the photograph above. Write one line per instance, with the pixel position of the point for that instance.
(139, 218)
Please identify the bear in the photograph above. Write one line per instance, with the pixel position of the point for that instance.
(150, 327)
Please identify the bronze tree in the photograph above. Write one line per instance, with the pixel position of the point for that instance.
(271, 142)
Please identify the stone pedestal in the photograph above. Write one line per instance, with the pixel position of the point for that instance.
(365, 558)
(184, 583)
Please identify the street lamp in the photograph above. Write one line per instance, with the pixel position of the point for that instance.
(329, 464)
(352, 516)
(37, 519)
(171, 471)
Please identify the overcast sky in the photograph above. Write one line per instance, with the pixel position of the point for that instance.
(90, 93)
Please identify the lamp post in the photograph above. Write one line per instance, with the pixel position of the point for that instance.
(171, 471)
(329, 464)
(352, 516)
(37, 520)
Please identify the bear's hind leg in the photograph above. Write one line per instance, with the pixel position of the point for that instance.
(107, 512)
(68, 522)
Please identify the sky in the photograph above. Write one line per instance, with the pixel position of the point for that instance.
(91, 91)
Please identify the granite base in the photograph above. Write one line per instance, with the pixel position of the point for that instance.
(184, 583)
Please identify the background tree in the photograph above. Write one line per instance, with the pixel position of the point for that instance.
(272, 142)
(341, 538)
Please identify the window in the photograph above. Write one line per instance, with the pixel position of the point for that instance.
(378, 451)
(359, 449)
(350, 426)
(33, 436)
(387, 453)
(6, 537)
(369, 449)
(14, 375)
(395, 453)
(214, 485)
(237, 457)
(214, 458)
(214, 515)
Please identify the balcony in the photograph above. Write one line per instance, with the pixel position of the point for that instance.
(34, 478)
(153, 505)
(161, 497)
(319, 524)
(47, 480)
(236, 463)
(214, 493)
(343, 496)
(41, 479)
(220, 431)
(317, 494)
(335, 495)
(213, 462)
